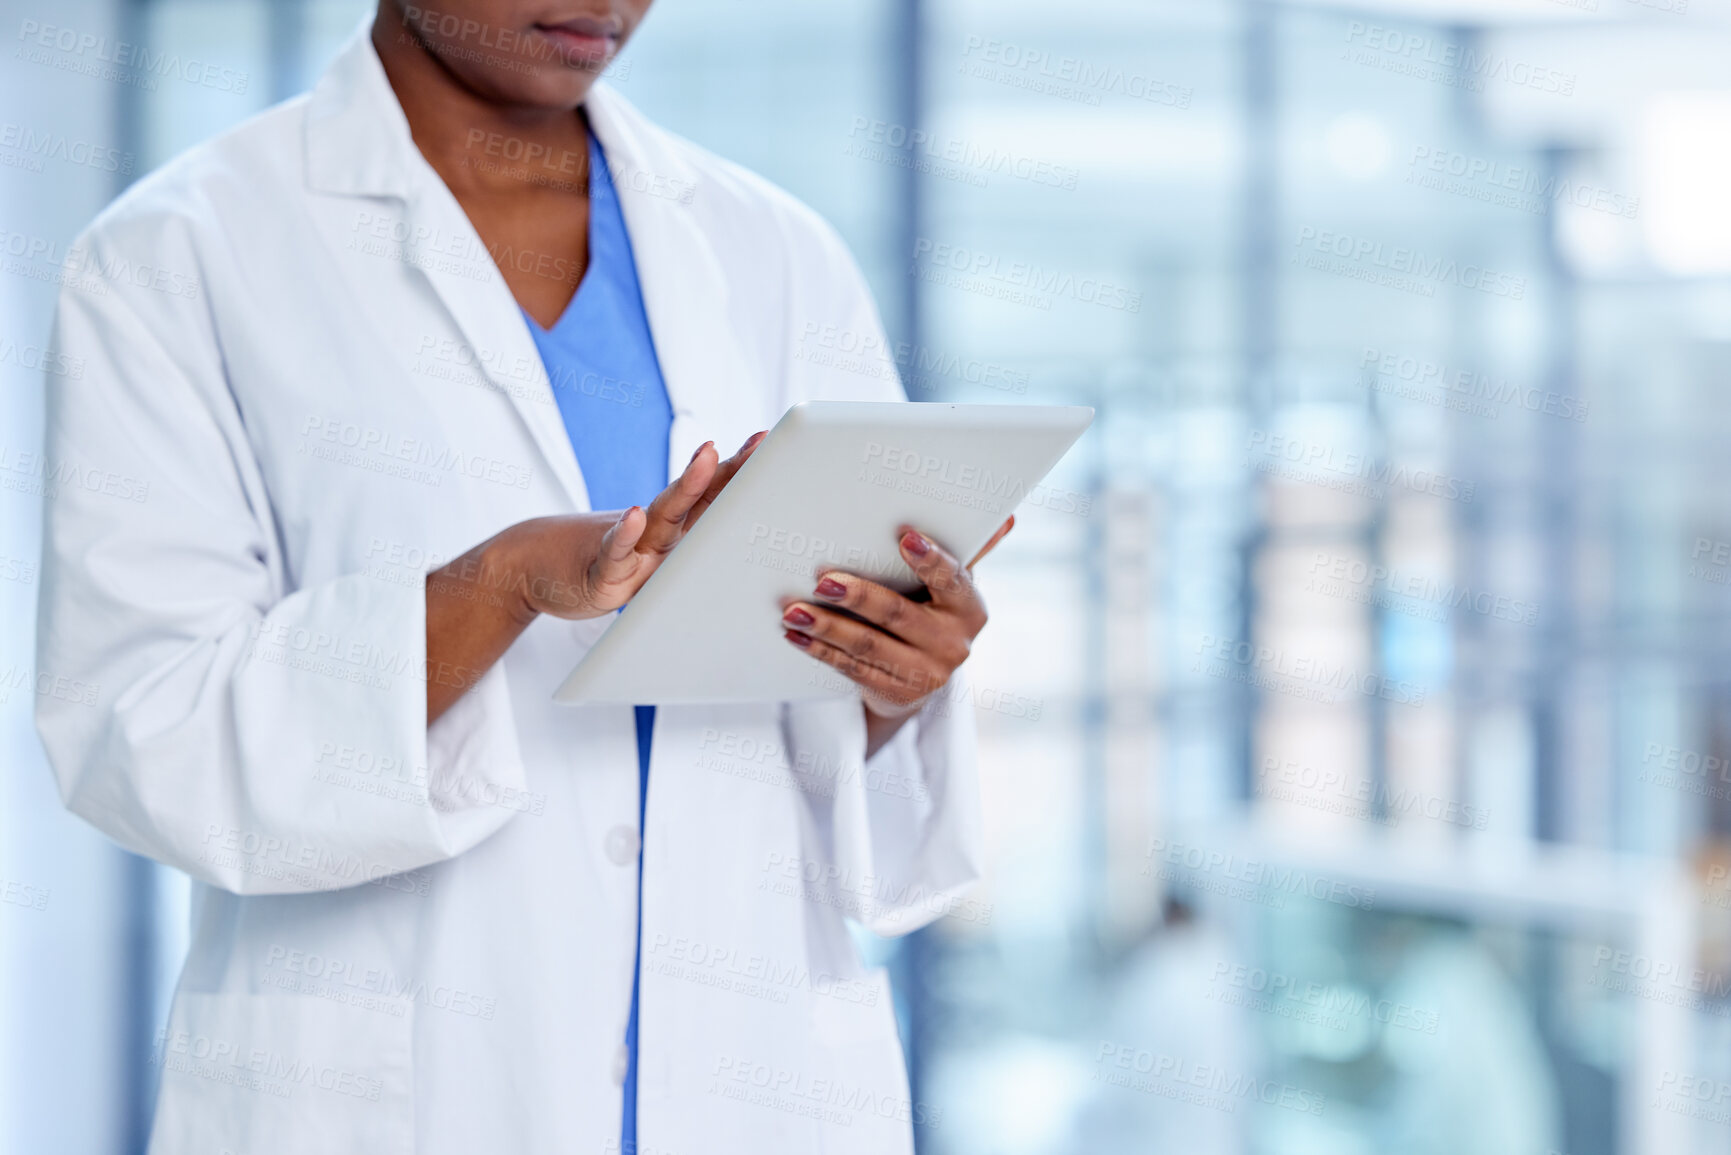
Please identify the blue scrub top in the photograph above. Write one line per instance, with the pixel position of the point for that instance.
(601, 361)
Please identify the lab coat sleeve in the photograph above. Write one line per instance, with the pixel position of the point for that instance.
(900, 833)
(263, 740)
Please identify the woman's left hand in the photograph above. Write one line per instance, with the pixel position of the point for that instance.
(900, 651)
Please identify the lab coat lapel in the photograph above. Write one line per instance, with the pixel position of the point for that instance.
(685, 288)
(475, 293)
(358, 144)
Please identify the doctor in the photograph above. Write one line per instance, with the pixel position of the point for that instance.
(325, 531)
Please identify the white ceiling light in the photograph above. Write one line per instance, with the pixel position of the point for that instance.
(1686, 182)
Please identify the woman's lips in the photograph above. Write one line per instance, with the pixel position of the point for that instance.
(581, 42)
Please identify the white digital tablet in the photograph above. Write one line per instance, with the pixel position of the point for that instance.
(827, 489)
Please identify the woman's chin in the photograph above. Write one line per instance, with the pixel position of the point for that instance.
(544, 85)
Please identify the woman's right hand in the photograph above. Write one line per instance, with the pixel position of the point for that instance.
(584, 565)
(579, 565)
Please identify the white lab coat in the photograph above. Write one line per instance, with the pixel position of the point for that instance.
(304, 383)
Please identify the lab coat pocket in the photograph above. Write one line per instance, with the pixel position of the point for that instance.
(283, 1075)
(866, 1107)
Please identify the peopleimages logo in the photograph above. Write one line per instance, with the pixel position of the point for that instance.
(16, 893)
(37, 359)
(827, 1100)
(1299, 459)
(1426, 57)
(972, 162)
(88, 272)
(1194, 864)
(1342, 575)
(1696, 1096)
(1397, 266)
(1015, 280)
(726, 967)
(255, 1068)
(384, 451)
(1659, 979)
(32, 473)
(766, 760)
(1272, 992)
(133, 63)
(861, 896)
(1302, 676)
(1066, 77)
(40, 146)
(1202, 1084)
(1510, 186)
(346, 975)
(921, 367)
(1356, 796)
(1460, 388)
(302, 863)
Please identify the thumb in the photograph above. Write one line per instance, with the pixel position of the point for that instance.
(622, 537)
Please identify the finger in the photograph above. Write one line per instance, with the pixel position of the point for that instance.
(913, 622)
(951, 586)
(874, 680)
(668, 511)
(723, 475)
(1003, 531)
(621, 537)
(618, 569)
(865, 642)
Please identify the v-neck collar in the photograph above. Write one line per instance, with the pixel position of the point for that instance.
(358, 144)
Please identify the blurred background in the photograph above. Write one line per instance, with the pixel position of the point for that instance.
(1356, 710)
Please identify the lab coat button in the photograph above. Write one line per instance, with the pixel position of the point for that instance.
(622, 845)
(621, 1060)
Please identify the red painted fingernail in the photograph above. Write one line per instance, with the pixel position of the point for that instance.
(798, 617)
(830, 588)
(796, 638)
(915, 544)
